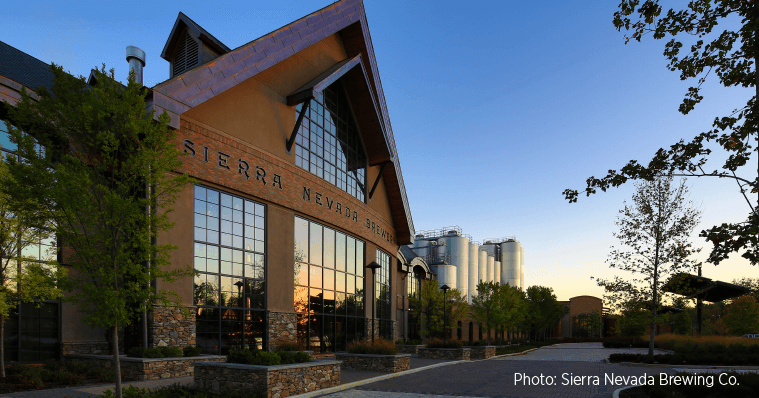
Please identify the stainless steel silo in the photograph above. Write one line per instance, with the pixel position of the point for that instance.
(521, 267)
(491, 264)
(510, 260)
(497, 271)
(472, 277)
(446, 275)
(482, 265)
(458, 248)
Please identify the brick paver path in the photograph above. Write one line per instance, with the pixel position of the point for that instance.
(571, 368)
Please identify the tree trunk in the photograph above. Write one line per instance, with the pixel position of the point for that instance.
(116, 363)
(2, 345)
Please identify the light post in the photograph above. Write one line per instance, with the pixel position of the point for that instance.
(373, 266)
(445, 324)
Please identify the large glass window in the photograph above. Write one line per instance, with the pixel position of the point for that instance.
(229, 255)
(382, 295)
(328, 143)
(329, 287)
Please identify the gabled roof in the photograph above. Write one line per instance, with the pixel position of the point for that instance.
(197, 31)
(18, 68)
(345, 17)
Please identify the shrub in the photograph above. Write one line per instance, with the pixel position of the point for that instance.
(191, 351)
(288, 357)
(378, 347)
(439, 343)
(478, 343)
(287, 346)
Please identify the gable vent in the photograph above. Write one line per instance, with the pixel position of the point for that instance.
(186, 56)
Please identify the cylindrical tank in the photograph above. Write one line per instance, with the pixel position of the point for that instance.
(458, 248)
(521, 267)
(482, 265)
(511, 260)
(472, 277)
(491, 264)
(497, 271)
(422, 248)
(446, 275)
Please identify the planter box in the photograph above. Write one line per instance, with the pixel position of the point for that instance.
(482, 352)
(272, 381)
(445, 353)
(380, 363)
(409, 349)
(144, 368)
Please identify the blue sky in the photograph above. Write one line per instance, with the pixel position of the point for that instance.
(497, 107)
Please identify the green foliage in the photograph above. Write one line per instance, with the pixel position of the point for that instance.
(102, 150)
(683, 324)
(732, 56)
(191, 351)
(633, 321)
(751, 283)
(105, 163)
(743, 316)
(430, 307)
(378, 347)
(254, 357)
(27, 377)
(408, 342)
(440, 343)
(543, 309)
(487, 307)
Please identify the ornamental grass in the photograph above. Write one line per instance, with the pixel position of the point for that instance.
(377, 347)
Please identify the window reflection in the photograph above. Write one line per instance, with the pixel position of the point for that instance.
(328, 300)
(230, 289)
(328, 143)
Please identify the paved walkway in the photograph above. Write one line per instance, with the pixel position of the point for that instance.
(567, 370)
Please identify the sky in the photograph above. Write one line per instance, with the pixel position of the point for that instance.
(496, 108)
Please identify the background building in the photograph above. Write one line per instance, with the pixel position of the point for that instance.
(462, 263)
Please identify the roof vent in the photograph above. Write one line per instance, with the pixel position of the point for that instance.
(186, 56)
(136, 59)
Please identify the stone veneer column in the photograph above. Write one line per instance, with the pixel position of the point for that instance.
(170, 328)
(280, 327)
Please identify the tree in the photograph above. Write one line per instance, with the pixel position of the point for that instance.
(487, 308)
(21, 279)
(513, 307)
(742, 316)
(733, 56)
(430, 306)
(682, 322)
(106, 180)
(543, 309)
(751, 283)
(654, 232)
(632, 321)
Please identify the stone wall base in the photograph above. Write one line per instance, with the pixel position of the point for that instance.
(379, 363)
(145, 368)
(169, 328)
(273, 381)
(281, 327)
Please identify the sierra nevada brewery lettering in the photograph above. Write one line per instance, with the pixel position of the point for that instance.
(331, 204)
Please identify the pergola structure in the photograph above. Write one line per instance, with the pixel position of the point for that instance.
(702, 288)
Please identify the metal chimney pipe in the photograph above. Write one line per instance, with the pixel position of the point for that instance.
(136, 59)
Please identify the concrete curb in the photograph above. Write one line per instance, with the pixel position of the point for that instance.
(619, 390)
(514, 353)
(355, 384)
